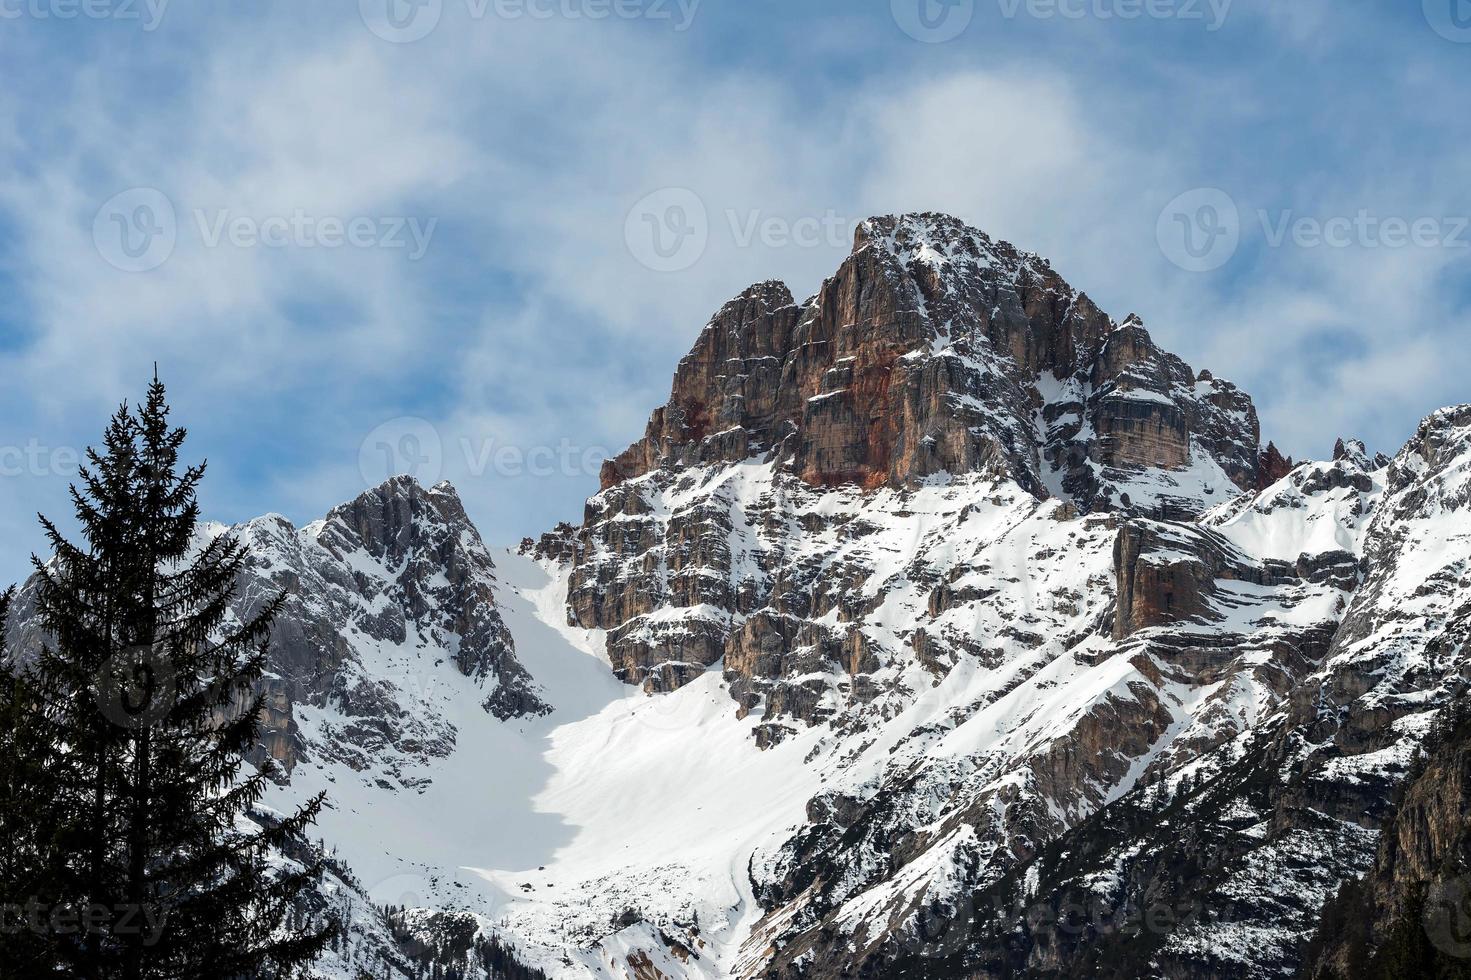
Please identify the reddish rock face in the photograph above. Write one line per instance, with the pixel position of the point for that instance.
(1274, 466)
(935, 349)
(1169, 573)
(730, 398)
(932, 350)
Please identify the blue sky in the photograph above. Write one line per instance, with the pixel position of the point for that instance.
(430, 248)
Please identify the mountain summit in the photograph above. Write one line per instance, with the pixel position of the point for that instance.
(934, 354)
(935, 349)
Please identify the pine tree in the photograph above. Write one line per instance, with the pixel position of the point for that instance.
(151, 686)
(77, 602)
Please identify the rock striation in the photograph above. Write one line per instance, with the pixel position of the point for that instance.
(1254, 838)
(936, 349)
(949, 508)
(933, 352)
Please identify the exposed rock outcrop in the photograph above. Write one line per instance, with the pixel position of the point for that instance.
(1409, 915)
(1168, 573)
(933, 352)
(1273, 466)
(1255, 837)
(377, 593)
(948, 463)
(936, 349)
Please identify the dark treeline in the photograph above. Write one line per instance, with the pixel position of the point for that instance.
(451, 947)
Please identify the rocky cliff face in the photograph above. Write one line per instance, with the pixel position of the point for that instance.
(936, 349)
(1015, 558)
(934, 352)
(378, 594)
(1212, 627)
(1409, 915)
(1246, 845)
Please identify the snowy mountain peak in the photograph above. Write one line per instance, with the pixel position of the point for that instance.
(382, 595)
(935, 356)
(923, 582)
(935, 349)
(1442, 443)
(940, 240)
(393, 518)
(938, 593)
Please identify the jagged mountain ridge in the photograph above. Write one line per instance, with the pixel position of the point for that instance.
(912, 588)
(1292, 810)
(936, 349)
(378, 594)
(385, 582)
(933, 351)
(822, 507)
(951, 574)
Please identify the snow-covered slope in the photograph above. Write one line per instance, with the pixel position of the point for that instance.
(1257, 836)
(702, 834)
(387, 596)
(932, 515)
(554, 831)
